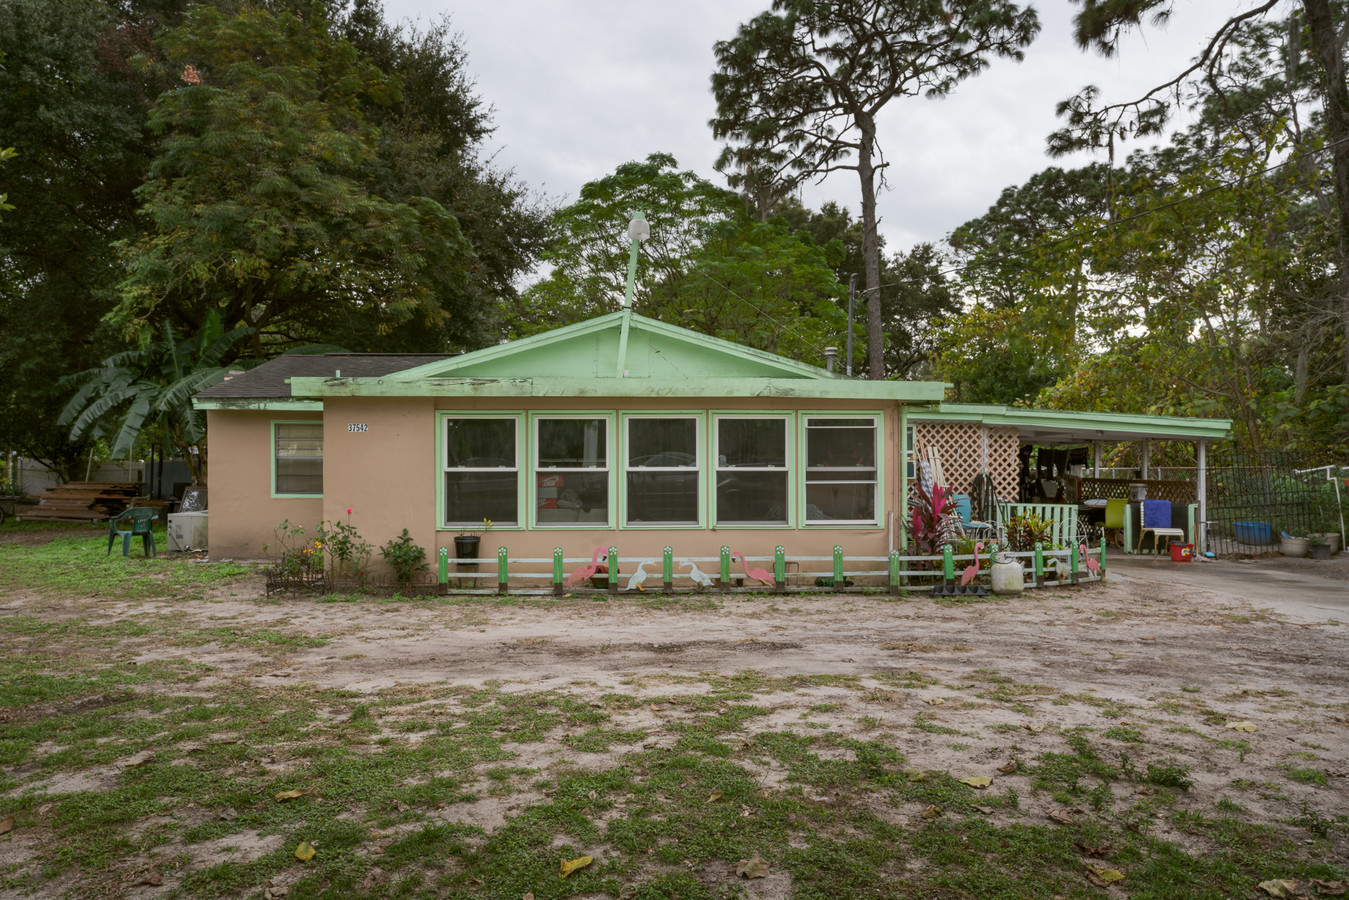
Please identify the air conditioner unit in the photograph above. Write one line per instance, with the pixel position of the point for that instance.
(187, 532)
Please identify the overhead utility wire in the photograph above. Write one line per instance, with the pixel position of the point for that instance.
(1138, 215)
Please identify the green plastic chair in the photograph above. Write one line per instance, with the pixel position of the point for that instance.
(1114, 519)
(138, 520)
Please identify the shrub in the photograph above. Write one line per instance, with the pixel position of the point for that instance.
(406, 558)
(347, 550)
(1027, 529)
(293, 555)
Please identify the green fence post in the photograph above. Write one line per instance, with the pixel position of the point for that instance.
(725, 569)
(1039, 565)
(503, 569)
(1074, 562)
(1103, 559)
(443, 565)
(667, 568)
(894, 571)
(613, 570)
(779, 568)
(948, 565)
(838, 566)
(557, 570)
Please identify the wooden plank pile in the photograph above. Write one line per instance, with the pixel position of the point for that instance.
(83, 501)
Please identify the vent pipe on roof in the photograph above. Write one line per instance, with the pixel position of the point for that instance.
(830, 354)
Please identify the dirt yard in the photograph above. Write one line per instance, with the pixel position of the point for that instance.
(1248, 708)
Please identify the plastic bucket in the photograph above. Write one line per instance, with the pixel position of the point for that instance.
(1253, 532)
(1181, 552)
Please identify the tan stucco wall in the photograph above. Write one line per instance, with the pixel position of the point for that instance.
(388, 475)
(243, 512)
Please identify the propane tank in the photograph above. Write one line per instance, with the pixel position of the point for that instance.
(1008, 576)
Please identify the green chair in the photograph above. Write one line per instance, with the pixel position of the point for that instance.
(1114, 519)
(138, 520)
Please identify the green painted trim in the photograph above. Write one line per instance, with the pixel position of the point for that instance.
(690, 388)
(1144, 426)
(700, 420)
(877, 419)
(611, 443)
(789, 418)
(261, 403)
(444, 414)
(902, 508)
(271, 453)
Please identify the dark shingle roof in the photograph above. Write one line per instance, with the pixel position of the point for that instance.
(269, 379)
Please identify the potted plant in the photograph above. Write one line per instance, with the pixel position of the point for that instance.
(468, 541)
(1320, 547)
(1296, 547)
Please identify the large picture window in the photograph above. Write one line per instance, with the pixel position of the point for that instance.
(840, 470)
(662, 471)
(571, 471)
(297, 458)
(482, 471)
(751, 471)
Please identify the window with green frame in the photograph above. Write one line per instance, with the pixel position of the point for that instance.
(841, 473)
(751, 470)
(663, 477)
(481, 470)
(297, 458)
(571, 470)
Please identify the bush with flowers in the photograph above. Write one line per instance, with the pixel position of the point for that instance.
(294, 556)
(348, 552)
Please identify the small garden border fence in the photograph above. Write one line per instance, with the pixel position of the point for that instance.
(896, 573)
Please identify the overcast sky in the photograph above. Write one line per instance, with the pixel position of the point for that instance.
(578, 87)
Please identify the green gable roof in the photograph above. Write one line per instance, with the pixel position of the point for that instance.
(621, 354)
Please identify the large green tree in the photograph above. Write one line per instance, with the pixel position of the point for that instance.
(800, 87)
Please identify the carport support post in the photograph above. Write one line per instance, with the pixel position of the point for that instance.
(1201, 496)
(1096, 458)
(1147, 451)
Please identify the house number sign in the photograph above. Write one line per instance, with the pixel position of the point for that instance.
(357, 427)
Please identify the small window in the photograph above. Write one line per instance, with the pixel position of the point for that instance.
(572, 472)
(840, 470)
(663, 479)
(751, 471)
(482, 472)
(297, 450)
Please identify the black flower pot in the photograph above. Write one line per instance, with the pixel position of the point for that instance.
(466, 546)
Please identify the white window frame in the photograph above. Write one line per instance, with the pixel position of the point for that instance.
(698, 469)
(538, 470)
(786, 420)
(876, 421)
(445, 417)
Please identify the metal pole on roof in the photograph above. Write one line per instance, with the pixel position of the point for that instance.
(638, 231)
(852, 295)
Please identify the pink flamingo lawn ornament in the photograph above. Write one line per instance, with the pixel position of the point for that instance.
(589, 570)
(971, 571)
(756, 573)
(1093, 566)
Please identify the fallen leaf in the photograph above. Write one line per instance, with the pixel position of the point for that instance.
(976, 781)
(986, 810)
(1101, 851)
(934, 701)
(655, 707)
(1008, 769)
(1240, 726)
(401, 806)
(754, 867)
(1279, 888)
(290, 795)
(915, 775)
(152, 878)
(931, 812)
(1148, 639)
(140, 759)
(1329, 888)
(6, 825)
(1033, 727)
(305, 852)
(1103, 877)
(1061, 816)
(569, 866)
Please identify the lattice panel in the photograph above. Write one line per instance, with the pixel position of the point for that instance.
(966, 449)
(1182, 492)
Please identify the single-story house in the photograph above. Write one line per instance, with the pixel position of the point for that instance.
(617, 431)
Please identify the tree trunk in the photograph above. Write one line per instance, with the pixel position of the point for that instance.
(871, 250)
(1329, 53)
